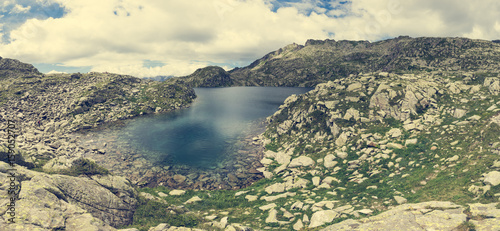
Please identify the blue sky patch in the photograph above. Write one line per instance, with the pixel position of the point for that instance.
(17, 13)
(47, 67)
(306, 7)
(152, 63)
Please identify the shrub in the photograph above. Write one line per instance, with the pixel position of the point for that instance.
(153, 213)
(87, 167)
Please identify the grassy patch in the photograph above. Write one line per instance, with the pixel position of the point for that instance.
(84, 166)
(153, 213)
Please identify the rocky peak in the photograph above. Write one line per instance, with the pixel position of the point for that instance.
(211, 76)
(312, 42)
(15, 68)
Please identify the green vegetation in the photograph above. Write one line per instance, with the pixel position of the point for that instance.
(152, 213)
(84, 166)
(416, 130)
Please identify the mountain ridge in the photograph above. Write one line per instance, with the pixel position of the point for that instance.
(320, 61)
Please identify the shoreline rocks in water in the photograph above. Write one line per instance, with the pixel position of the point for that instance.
(237, 170)
(47, 108)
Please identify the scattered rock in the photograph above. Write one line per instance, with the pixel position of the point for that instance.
(162, 194)
(298, 225)
(351, 113)
(459, 113)
(492, 178)
(316, 180)
(365, 211)
(394, 133)
(342, 155)
(272, 217)
(329, 161)
(267, 207)
(251, 198)
(275, 188)
(395, 145)
(322, 217)
(411, 141)
(301, 161)
(400, 200)
(193, 200)
(423, 216)
(240, 193)
(341, 140)
(177, 192)
(179, 178)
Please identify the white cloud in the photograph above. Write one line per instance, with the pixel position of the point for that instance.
(117, 35)
(55, 72)
(378, 19)
(20, 9)
(137, 69)
(7, 3)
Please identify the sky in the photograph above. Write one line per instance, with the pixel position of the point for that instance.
(175, 37)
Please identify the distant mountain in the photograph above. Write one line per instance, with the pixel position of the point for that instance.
(160, 78)
(14, 68)
(319, 61)
(211, 76)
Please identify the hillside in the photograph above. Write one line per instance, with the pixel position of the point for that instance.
(406, 126)
(211, 76)
(370, 140)
(397, 134)
(320, 61)
(40, 112)
(377, 151)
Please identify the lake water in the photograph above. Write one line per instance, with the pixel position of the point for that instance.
(201, 135)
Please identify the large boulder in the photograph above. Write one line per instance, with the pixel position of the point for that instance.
(322, 217)
(432, 215)
(329, 161)
(492, 178)
(60, 202)
(301, 161)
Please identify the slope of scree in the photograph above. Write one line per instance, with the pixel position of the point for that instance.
(371, 151)
(45, 110)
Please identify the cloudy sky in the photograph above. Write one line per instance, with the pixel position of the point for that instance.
(175, 37)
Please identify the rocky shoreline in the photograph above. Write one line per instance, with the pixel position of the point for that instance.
(413, 139)
(49, 108)
(237, 170)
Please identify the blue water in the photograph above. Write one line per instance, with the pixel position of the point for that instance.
(201, 135)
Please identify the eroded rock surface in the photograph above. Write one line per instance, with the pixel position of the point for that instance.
(432, 215)
(48, 202)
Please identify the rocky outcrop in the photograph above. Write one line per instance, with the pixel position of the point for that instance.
(55, 202)
(432, 215)
(322, 217)
(11, 68)
(366, 137)
(211, 76)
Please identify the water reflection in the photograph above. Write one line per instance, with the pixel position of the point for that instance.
(199, 136)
